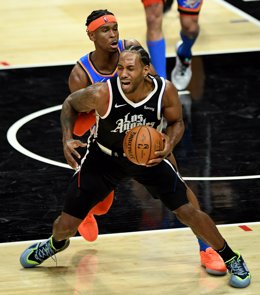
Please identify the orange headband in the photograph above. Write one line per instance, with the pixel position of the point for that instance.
(102, 20)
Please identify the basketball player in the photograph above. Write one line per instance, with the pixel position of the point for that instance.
(133, 98)
(97, 66)
(189, 14)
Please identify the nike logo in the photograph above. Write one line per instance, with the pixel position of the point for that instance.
(120, 105)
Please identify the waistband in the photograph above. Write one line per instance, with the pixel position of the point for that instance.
(110, 152)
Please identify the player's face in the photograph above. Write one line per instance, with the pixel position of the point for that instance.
(106, 37)
(131, 71)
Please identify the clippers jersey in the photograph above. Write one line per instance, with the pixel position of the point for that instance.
(86, 121)
(124, 114)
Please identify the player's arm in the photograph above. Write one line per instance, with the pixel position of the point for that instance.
(77, 79)
(172, 111)
(94, 97)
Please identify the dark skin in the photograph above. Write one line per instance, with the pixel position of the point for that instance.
(105, 57)
(135, 85)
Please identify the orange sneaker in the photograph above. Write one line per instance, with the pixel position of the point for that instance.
(88, 228)
(102, 207)
(213, 262)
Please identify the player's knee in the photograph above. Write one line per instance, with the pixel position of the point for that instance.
(191, 30)
(190, 26)
(186, 214)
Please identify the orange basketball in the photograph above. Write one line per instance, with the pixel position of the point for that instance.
(141, 142)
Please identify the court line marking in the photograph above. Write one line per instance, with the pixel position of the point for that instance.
(72, 63)
(12, 139)
(227, 5)
(221, 2)
(146, 232)
(239, 12)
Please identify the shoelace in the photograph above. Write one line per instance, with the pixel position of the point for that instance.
(43, 252)
(237, 267)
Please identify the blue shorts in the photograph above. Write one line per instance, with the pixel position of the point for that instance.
(189, 7)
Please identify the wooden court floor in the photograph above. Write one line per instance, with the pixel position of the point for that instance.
(152, 262)
(52, 32)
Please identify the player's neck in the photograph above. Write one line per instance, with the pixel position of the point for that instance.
(104, 61)
(141, 92)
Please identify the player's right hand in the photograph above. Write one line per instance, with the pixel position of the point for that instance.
(70, 152)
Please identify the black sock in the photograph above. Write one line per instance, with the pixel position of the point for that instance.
(58, 244)
(226, 252)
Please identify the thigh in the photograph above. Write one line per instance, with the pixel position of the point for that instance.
(165, 183)
(95, 180)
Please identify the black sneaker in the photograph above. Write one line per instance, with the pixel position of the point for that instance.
(39, 252)
(240, 275)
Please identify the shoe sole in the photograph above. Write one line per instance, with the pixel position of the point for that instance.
(237, 283)
(215, 272)
(23, 259)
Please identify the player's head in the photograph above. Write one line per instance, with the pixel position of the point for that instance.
(98, 18)
(102, 29)
(133, 68)
(141, 52)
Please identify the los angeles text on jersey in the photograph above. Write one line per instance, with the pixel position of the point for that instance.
(131, 121)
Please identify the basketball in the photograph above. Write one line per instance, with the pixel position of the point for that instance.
(141, 142)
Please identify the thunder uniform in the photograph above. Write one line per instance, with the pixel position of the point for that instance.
(104, 164)
(191, 7)
(85, 121)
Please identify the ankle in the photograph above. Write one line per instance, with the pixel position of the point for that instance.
(226, 252)
(57, 244)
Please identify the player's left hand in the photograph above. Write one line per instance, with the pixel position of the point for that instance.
(160, 155)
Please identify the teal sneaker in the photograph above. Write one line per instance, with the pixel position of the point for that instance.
(240, 275)
(39, 252)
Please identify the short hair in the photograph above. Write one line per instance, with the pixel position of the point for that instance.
(143, 54)
(96, 14)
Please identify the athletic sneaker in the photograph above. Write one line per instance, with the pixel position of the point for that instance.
(88, 228)
(240, 275)
(39, 252)
(213, 262)
(181, 74)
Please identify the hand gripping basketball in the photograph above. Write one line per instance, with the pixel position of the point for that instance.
(141, 142)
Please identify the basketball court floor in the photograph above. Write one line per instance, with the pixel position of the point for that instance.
(142, 247)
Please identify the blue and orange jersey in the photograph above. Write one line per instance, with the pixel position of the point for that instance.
(92, 73)
(85, 121)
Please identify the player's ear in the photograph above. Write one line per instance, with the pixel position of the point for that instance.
(91, 35)
(146, 70)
